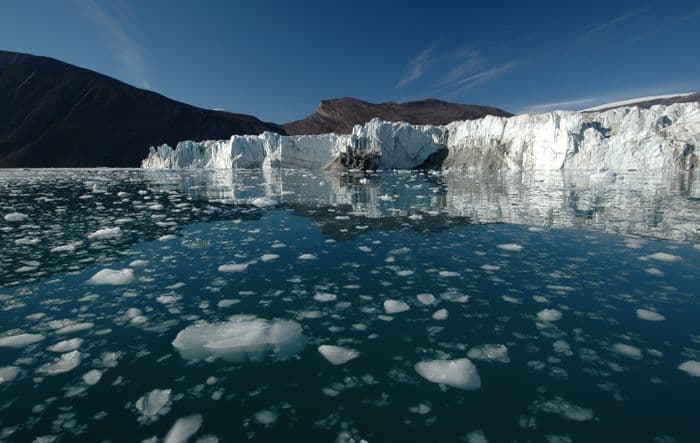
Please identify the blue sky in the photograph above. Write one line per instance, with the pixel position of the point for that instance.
(277, 59)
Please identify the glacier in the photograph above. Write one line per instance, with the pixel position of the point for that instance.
(661, 138)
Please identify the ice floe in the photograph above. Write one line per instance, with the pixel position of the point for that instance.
(243, 338)
(112, 277)
(460, 373)
(337, 355)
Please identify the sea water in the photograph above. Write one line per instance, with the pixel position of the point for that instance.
(311, 306)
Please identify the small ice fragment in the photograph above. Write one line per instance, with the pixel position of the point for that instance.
(664, 257)
(325, 297)
(20, 340)
(233, 267)
(426, 299)
(337, 355)
(15, 216)
(183, 429)
(266, 417)
(448, 274)
(66, 362)
(513, 247)
(645, 314)
(92, 377)
(262, 202)
(138, 263)
(154, 403)
(549, 315)
(113, 277)
(460, 373)
(8, 373)
(269, 257)
(691, 367)
(490, 353)
(627, 350)
(106, 233)
(307, 257)
(440, 314)
(395, 306)
(167, 237)
(66, 345)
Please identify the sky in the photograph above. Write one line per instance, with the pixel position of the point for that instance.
(277, 59)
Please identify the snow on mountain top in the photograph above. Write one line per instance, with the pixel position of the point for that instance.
(632, 101)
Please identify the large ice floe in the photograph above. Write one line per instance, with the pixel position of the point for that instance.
(627, 138)
(242, 338)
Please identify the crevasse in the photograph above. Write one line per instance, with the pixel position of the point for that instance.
(627, 138)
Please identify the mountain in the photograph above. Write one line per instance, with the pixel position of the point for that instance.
(53, 114)
(341, 114)
(648, 102)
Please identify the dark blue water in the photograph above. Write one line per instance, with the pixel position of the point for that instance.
(588, 289)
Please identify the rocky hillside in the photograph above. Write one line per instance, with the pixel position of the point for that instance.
(53, 114)
(340, 115)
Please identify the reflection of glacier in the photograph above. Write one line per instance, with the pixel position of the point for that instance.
(660, 138)
(658, 205)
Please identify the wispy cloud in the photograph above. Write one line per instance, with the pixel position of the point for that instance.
(597, 29)
(485, 76)
(111, 19)
(464, 62)
(416, 68)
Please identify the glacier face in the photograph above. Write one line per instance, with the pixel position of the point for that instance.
(628, 138)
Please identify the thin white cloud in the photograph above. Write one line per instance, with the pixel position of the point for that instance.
(127, 51)
(467, 62)
(613, 22)
(485, 76)
(416, 68)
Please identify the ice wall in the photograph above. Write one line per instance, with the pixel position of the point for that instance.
(628, 138)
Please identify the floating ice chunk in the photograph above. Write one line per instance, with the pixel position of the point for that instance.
(395, 306)
(307, 257)
(226, 303)
(426, 299)
(138, 263)
(74, 327)
(645, 314)
(15, 217)
(440, 314)
(549, 315)
(183, 429)
(478, 436)
(70, 247)
(66, 362)
(93, 377)
(512, 247)
(167, 237)
(27, 241)
(627, 350)
(497, 353)
(460, 373)
(20, 340)
(656, 272)
(154, 404)
(113, 277)
(664, 257)
(565, 409)
(325, 297)
(337, 355)
(262, 202)
(8, 373)
(691, 367)
(488, 267)
(66, 345)
(233, 267)
(242, 338)
(106, 233)
(266, 417)
(269, 257)
(448, 274)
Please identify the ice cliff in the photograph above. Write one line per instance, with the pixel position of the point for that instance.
(627, 138)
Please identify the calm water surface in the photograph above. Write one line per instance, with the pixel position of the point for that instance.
(136, 305)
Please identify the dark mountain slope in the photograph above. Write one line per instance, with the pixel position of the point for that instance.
(340, 115)
(53, 114)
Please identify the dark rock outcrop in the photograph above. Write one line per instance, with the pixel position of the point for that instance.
(53, 114)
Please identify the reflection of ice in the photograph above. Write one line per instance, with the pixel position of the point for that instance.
(661, 205)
